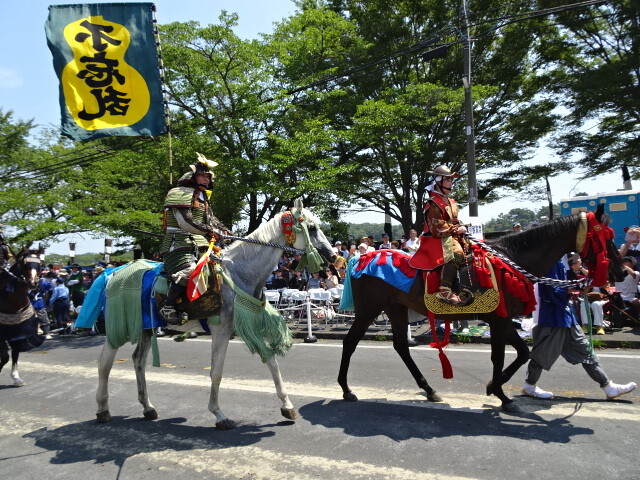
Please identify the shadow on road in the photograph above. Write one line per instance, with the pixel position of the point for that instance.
(126, 437)
(69, 342)
(368, 419)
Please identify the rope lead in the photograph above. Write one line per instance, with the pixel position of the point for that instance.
(544, 280)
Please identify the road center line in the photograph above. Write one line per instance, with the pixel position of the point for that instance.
(469, 403)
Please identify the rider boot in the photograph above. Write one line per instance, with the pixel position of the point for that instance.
(448, 277)
(169, 311)
(466, 284)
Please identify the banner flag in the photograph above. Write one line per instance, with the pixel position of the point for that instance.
(106, 58)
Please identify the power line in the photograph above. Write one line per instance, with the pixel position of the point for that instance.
(75, 161)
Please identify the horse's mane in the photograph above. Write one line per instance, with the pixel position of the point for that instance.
(537, 235)
(268, 230)
(265, 232)
(271, 229)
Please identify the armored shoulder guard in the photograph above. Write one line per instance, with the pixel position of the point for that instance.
(179, 197)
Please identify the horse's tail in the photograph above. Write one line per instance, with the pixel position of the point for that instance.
(346, 301)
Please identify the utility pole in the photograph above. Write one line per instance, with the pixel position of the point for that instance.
(387, 220)
(108, 242)
(626, 178)
(72, 253)
(549, 197)
(468, 114)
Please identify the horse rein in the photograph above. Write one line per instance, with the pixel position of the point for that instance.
(260, 242)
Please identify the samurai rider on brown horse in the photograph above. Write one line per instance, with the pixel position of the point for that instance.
(442, 244)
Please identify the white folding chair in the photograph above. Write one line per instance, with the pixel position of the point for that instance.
(297, 307)
(336, 295)
(321, 302)
(272, 296)
(285, 297)
(342, 315)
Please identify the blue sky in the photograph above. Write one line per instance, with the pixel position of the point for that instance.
(29, 87)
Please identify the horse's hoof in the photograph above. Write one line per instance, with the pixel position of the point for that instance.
(511, 407)
(225, 424)
(489, 388)
(103, 417)
(18, 382)
(349, 396)
(434, 397)
(289, 413)
(150, 414)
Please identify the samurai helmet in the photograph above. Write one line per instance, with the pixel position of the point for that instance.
(444, 171)
(202, 165)
(438, 175)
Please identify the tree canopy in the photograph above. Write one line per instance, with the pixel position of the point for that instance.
(594, 63)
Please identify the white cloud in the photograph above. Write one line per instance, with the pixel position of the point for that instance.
(9, 78)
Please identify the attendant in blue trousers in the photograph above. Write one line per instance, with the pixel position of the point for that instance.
(558, 332)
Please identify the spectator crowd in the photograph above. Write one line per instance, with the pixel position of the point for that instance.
(285, 274)
(59, 295)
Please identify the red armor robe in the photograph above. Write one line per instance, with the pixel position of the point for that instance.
(437, 244)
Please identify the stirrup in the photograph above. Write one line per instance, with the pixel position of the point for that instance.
(466, 297)
(172, 316)
(446, 295)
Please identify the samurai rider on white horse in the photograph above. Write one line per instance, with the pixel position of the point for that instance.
(189, 224)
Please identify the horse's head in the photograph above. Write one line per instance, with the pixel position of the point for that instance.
(27, 267)
(318, 239)
(600, 251)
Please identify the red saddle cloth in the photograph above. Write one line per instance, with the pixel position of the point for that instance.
(429, 255)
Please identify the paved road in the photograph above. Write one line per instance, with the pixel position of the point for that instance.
(47, 428)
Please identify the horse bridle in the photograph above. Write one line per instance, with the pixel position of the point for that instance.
(292, 221)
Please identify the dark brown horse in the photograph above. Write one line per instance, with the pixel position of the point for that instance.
(18, 323)
(535, 250)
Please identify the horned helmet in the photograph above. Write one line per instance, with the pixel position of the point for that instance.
(202, 165)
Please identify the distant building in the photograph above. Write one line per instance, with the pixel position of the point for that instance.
(622, 206)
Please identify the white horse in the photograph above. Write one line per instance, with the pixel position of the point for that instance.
(248, 265)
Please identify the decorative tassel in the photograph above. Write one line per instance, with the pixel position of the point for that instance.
(447, 369)
(259, 325)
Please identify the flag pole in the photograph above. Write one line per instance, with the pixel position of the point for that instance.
(167, 113)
